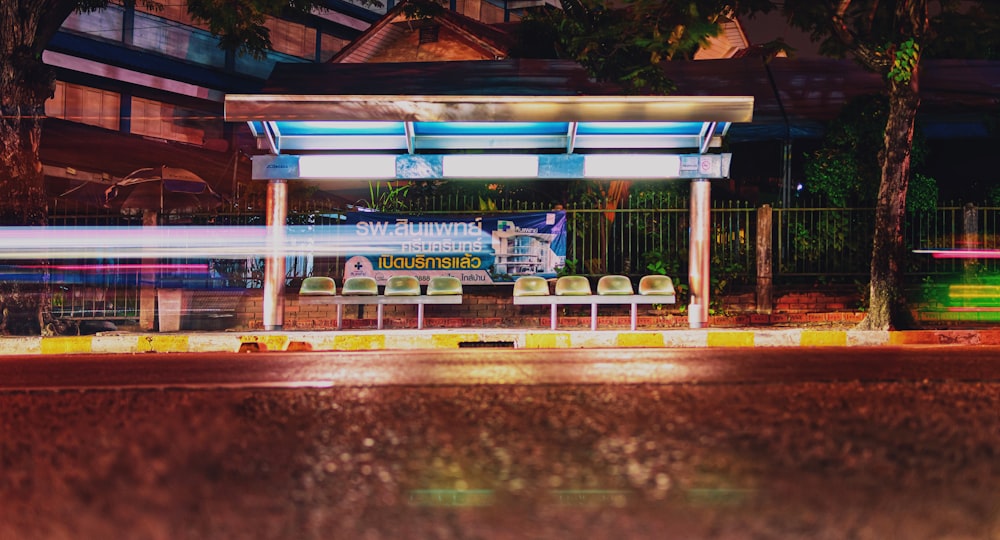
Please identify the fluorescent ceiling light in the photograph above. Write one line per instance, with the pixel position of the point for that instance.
(348, 166)
(489, 166)
(631, 166)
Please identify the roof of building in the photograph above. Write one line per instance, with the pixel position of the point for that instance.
(525, 77)
(394, 38)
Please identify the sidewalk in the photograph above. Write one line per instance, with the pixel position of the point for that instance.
(430, 338)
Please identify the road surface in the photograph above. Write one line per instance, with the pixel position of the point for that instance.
(832, 443)
(499, 366)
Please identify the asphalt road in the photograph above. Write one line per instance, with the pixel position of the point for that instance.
(487, 444)
(499, 366)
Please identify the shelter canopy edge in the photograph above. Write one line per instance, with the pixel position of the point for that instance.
(494, 108)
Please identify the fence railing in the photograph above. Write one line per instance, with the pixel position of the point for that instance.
(638, 235)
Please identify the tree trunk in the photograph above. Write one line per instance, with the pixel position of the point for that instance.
(887, 309)
(25, 84)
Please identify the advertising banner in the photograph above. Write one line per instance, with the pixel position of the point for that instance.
(478, 250)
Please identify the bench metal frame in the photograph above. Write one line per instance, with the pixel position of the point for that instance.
(594, 300)
(380, 301)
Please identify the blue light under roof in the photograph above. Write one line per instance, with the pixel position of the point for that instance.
(293, 128)
(639, 128)
(490, 128)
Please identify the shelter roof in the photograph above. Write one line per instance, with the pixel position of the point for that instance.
(529, 105)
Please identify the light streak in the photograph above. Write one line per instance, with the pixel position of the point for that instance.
(960, 253)
(182, 267)
(192, 242)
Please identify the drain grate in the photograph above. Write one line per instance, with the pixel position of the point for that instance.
(507, 344)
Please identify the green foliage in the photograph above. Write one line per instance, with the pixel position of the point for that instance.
(971, 34)
(922, 195)
(846, 170)
(625, 42)
(422, 9)
(659, 262)
(391, 198)
(904, 62)
(725, 273)
(487, 204)
(831, 239)
(240, 24)
(568, 269)
(657, 267)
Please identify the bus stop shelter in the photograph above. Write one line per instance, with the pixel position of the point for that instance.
(510, 119)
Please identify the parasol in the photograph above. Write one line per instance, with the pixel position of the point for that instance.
(162, 189)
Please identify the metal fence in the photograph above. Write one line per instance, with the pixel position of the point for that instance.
(645, 233)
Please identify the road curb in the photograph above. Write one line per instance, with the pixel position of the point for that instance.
(364, 340)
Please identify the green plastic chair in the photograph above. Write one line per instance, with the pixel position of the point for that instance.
(656, 284)
(402, 286)
(360, 286)
(614, 285)
(318, 286)
(443, 286)
(573, 286)
(531, 286)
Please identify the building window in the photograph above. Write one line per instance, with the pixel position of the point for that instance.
(172, 11)
(84, 105)
(292, 38)
(166, 121)
(481, 10)
(177, 40)
(102, 24)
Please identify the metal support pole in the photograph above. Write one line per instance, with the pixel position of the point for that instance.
(148, 281)
(699, 256)
(786, 174)
(274, 262)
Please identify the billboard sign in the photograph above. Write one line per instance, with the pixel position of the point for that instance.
(479, 250)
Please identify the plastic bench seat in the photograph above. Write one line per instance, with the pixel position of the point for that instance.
(444, 285)
(318, 286)
(573, 286)
(402, 286)
(531, 286)
(363, 290)
(360, 286)
(614, 285)
(656, 284)
(575, 290)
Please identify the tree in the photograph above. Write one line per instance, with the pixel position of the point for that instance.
(845, 172)
(890, 37)
(26, 83)
(625, 43)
